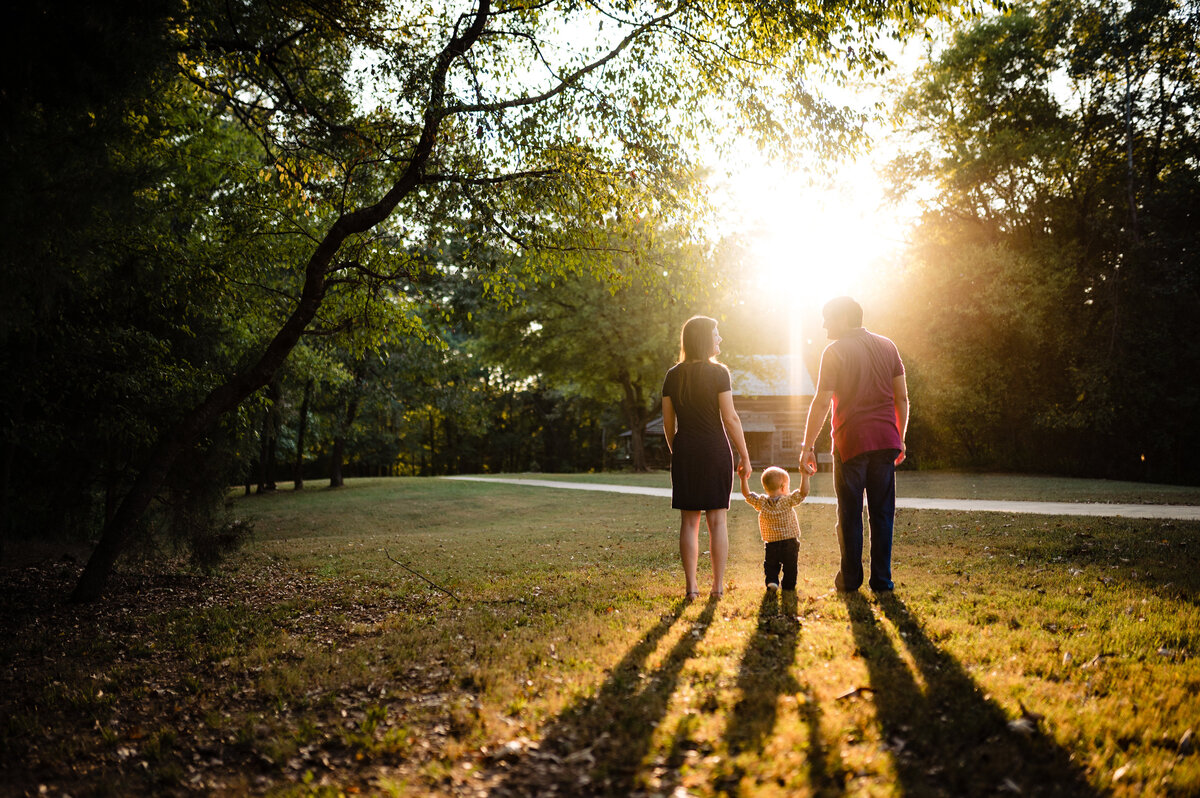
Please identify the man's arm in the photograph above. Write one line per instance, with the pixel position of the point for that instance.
(900, 391)
(817, 412)
(669, 422)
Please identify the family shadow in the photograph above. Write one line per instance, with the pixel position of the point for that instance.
(946, 737)
(943, 735)
(764, 676)
(598, 745)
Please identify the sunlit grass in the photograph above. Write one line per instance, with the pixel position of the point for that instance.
(1018, 653)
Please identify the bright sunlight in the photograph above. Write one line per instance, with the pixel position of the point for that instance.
(815, 242)
(809, 240)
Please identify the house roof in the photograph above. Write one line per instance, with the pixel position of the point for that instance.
(653, 427)
(771, 375)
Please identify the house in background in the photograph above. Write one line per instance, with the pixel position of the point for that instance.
(772, 394)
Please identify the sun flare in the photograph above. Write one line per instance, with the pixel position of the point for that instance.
(809, 242)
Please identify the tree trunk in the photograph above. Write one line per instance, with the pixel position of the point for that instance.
(270, 440)
(338, 457)
(432, 444)
(111, 486)
(450, 438)
(175, 441)
(302, 429)
(636, 417)
(336, 480)
(264, 438)
(541, 412)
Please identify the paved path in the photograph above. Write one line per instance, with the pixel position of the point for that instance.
(1180, 512)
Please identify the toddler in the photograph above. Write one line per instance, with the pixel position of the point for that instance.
(778, 524)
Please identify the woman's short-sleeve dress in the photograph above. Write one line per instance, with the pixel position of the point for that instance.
(702, 461)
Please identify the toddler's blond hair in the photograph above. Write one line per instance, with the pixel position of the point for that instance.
(774, 477)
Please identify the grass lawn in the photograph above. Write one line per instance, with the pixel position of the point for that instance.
(1019, 655)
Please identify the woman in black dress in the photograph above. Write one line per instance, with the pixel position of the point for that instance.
(700, 422)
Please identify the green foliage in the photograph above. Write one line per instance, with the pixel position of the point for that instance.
(1051, 293)
(607, 326)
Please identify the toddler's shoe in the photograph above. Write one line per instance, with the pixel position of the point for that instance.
(772, 585)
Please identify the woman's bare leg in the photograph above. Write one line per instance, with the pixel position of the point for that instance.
(689, 547)
(718, 546)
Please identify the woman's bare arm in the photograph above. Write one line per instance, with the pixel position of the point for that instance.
(733, 428)
(669, 422)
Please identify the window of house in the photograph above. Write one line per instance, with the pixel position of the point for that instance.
(789, 440)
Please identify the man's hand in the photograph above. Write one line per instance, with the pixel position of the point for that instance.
(900, 457)
(808, 461)
(744, 469)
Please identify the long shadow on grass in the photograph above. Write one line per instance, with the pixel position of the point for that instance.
(764, 675)
(949, 739)
(596, 746)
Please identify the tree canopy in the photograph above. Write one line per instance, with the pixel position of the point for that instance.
(1049, 300)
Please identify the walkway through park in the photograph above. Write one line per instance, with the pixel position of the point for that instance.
(1178, 512)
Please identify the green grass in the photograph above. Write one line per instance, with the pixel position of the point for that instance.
(1018, 653)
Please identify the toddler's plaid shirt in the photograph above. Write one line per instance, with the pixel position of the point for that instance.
(776, 518)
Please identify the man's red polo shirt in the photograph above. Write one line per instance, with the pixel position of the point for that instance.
(859, 368)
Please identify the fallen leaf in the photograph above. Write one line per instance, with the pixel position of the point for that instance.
(1022, 726)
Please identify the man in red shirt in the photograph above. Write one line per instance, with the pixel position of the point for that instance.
(862, 377)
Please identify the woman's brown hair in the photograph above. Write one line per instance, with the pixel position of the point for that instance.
(696, 339)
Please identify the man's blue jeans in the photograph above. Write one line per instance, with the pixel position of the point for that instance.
(873, 473)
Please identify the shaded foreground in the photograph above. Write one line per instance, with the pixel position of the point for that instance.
(1017, 656)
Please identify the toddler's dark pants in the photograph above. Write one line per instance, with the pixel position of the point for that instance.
(781, 554)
